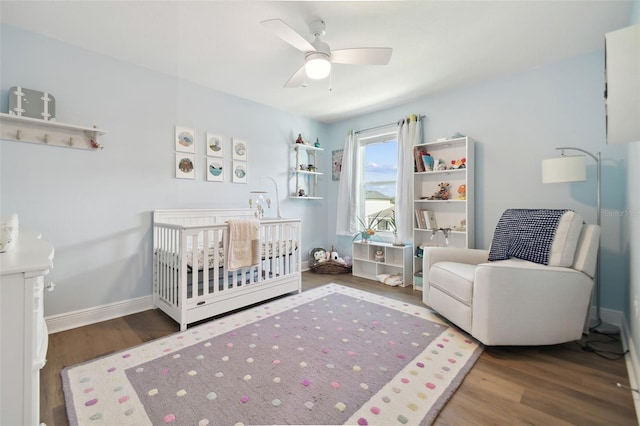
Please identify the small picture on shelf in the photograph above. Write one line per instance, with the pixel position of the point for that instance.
(430, 219)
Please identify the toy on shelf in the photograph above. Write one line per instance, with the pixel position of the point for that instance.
(459, 164)
(299, 140)
(379, 256)
(444, 193)
(462, 192)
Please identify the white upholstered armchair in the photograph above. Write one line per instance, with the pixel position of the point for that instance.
(537, 288)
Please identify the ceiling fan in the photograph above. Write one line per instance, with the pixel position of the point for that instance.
(317, 54)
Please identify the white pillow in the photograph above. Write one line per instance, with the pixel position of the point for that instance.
(565, 240)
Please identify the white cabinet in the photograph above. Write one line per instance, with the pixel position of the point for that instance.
(305, 172)
(23, 331)
(373, 259)
(443, 217)
(622, 92)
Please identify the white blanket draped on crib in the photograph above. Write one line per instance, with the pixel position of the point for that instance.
(244, 244)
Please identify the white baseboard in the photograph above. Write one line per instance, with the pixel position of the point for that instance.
(69, 320)
(633, 367)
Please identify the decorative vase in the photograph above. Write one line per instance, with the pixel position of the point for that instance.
(365, 237)
(396, 240)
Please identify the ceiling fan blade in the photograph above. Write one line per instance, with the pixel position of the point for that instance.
(297, 79)
(362, 56)
(288, 34)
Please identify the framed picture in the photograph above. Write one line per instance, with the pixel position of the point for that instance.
(336, 158)
(215, 147)
(185, 166)
(239, 172)
(185, 139)
(239, 149)
(215, 172)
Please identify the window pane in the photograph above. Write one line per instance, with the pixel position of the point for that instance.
(381, 165)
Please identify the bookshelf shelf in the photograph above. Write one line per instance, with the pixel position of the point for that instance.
(443, 222)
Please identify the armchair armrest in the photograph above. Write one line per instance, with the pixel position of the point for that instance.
(543, 305)
(433, 255)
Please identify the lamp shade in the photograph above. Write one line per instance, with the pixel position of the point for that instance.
(564, 169)
(317, 66)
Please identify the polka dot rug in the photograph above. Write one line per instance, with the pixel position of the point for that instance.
(331, 355)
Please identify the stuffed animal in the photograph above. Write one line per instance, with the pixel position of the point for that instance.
(443, 193)
(462, 192)
(459, 164)
(336, 258)
(320, 256)
(379, 257)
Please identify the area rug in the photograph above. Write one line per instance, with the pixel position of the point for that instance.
(331, 355)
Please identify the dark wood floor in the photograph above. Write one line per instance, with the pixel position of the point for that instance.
(546, 385)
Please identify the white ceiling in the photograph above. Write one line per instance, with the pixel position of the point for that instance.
(437, 45)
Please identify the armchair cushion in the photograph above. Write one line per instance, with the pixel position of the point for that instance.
(544, 236)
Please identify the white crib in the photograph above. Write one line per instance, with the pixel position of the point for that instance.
(190, 281)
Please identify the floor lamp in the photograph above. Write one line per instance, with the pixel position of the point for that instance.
(574, 169)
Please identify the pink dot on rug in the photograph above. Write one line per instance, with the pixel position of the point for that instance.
(335, 384)
(126, 355)
(123, 399)
(91, 402)
(276, 361)
(244, 399)
(87, 390)
(362, 421)
(401, 356)
(306, 382)
(180, 337)
(419, 364)
(170, 418)
(440, 345)
(111, 370)
(375, 410)
(404, 380)
(445, 340)
(430, 385)
(452, 361)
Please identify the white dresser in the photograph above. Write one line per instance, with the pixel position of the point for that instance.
(23, 331)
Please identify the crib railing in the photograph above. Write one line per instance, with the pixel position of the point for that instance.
(189, 261)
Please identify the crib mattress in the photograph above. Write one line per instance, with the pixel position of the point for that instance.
(268, 250)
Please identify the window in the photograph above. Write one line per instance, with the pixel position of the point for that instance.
(377, 180)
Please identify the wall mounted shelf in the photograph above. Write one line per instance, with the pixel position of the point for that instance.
(305, 172)
(52, 133)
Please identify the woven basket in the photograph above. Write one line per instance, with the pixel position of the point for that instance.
(330, 267)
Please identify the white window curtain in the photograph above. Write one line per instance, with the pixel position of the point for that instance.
(348, 190)
(409, 134)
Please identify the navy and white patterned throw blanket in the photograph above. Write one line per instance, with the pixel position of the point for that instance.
(525, 234)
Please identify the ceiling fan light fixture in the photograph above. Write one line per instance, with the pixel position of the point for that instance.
(317, 65)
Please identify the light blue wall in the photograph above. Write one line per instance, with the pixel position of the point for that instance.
(516, 122)
(95, 207)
